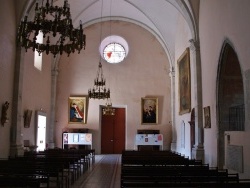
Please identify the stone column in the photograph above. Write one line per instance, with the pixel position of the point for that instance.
(195, 59)
(54, 74)
(16, 148)
(172, 76)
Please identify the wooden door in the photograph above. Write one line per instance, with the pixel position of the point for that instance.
(113, 132)
(107, 134)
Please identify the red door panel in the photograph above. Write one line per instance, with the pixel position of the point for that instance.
(113, 132)
(107, 135)
(119, 130)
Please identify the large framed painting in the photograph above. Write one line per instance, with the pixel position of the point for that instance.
(149, 110)
(184, 82)
(77, 109)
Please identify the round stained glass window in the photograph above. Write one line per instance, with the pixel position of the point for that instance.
(114, 53)
(114, 49)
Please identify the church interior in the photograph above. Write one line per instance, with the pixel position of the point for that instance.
(110, 76)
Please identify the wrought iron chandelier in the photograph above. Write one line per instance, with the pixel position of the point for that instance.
(51, 20)
(108, 109)
(99, 90)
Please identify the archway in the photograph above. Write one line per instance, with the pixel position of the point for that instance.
(230, 98)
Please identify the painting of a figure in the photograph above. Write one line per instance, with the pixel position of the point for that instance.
(149, 112)
(77, 110)
(27, 118)
(184, 83)
(207, 121)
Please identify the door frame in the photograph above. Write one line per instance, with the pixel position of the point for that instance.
(100, 122)
(37, 135)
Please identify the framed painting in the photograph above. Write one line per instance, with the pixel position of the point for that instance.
(149, 110)
(184, 82)
(207, 117)
(77, 109)
(27, 118)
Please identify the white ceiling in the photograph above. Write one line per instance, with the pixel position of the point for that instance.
(160, 17)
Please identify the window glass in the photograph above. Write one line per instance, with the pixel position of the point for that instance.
(38, 58)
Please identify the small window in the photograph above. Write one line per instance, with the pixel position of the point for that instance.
(38, 58)
(114, 53)
(114, 49)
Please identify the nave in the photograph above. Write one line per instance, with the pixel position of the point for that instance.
(61, 169)
(104, 173)
(135, 169)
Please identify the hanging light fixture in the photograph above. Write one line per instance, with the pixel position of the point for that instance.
(99, 90)
(51, 21)
(108, 109)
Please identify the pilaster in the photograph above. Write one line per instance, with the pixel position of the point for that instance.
(247, 95)
(54, 74)
(174, 135)
(16, 148)
(198, 150)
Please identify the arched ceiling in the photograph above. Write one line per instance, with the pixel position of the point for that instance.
(160, 17)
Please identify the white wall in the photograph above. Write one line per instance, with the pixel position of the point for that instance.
(7, 61)
(220, 20)
(36, 93)
(182, 38)
(36, 87)
(143, 73)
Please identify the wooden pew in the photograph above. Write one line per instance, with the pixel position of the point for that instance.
(166, 169)
(38, 168)
(21, 175)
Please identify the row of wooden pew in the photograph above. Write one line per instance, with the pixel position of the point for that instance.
(168, 169)
(50, 168)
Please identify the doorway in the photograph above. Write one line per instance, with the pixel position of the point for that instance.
(113, 132)
(41, 131)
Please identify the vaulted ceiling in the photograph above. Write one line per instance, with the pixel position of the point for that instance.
(160, 17)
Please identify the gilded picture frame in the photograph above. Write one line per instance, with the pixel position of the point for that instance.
(77, 109)
(184, 82)
(149, 110)
(207, 117)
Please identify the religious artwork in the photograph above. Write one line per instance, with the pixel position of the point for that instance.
(27, 118)
(184, 83)
(77, 109)
(207, 118)
(4, 118)
(149, 110)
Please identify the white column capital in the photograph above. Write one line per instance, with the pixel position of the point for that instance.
(194, 45)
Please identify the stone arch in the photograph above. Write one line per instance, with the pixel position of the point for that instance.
(230, 97)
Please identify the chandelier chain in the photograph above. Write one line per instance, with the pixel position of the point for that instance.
(99, 90)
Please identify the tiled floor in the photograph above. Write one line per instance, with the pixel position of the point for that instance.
(104, 173)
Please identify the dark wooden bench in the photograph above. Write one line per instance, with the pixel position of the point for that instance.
(158, 160)
(21, 175)
(164, 169)
(36, 168)
(165, 176)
